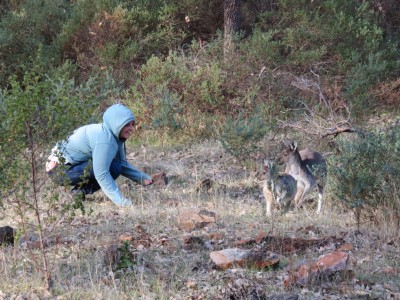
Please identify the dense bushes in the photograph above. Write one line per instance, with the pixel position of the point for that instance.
(355, 44)
(365, 176)
(332, 38)
(241, 136)
(26, 27)
(173, 66)
(117, 35)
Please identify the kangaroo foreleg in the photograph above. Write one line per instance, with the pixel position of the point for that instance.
(269, 201)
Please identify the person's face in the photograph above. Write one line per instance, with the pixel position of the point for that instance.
(127, 130)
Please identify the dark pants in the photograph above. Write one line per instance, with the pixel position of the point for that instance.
(81, 176)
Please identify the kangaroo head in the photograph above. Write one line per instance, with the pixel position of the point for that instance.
(289, 147)
(269, 167)
(268, 163)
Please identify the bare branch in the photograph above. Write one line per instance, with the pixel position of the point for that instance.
(339, 129)
(329, 117)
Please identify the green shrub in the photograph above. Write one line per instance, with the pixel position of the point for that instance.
(127, 258)
(364, 76)
(240, 136)
(199, 86)
(40, 110)
(120, 34)
(167, 112)
(304, 32)
(364, 177)
(334, 37)
(263, 47)
(29, 26)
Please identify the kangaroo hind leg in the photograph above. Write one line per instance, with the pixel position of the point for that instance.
(320, 198)
(299, 197)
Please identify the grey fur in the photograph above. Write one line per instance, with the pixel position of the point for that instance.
(308, 168)
(277, 189)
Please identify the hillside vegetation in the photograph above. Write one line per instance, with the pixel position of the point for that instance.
(325, 73)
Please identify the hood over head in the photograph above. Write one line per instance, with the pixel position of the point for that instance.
(116, 117)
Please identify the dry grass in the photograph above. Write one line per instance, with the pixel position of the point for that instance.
(165, 268)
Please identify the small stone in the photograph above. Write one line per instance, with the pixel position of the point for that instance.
(227, 258)
(189, 220)
(335, 262)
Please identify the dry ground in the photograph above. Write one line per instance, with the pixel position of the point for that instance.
(157, 262)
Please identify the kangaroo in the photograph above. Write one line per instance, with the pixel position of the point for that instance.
(279, 189)
(308, 168)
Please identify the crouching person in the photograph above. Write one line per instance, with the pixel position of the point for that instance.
(93, 157)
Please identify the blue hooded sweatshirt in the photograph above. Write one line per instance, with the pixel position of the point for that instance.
(101, 143)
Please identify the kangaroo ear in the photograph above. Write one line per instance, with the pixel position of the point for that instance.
(267, 161)
(293, 145)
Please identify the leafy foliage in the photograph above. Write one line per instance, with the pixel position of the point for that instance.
(367, 74)
(199, 85)
(365, 176)
(240, 136)
(167, 113)
(24, 28)
(329, 37)
(40, 110)
(127, 259)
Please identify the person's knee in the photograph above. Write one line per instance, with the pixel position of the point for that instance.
(115, 169)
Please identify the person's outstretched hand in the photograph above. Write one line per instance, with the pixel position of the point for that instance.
(147, 182)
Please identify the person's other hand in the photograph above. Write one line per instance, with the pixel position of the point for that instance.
(147, 182)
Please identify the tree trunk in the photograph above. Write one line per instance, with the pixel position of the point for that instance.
(231, 25)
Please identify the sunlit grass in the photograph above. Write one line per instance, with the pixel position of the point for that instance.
(163, 268)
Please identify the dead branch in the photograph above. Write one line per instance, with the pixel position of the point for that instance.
(296, 126)
(317, 122)
(339, 128)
